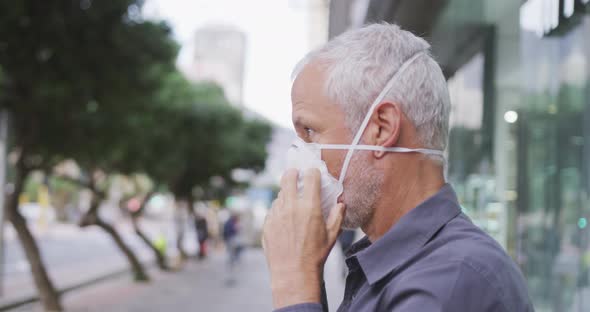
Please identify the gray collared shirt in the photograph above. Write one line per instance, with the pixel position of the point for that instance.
(433, 259)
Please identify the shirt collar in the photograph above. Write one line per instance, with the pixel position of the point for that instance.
(409, 234)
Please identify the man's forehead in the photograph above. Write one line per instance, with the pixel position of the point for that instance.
(310, 103)
(309, 82)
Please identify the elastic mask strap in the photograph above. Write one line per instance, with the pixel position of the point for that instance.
(380, 149)
(378, 100)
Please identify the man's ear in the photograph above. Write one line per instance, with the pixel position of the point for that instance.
(386, 126)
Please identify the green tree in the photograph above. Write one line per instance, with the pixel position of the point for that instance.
(180, 138)
(62, 62)
(201, 137)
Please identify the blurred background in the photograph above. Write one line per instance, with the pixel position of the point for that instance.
(142, 142)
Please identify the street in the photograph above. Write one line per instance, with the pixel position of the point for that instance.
(201, 286)
(73, 256)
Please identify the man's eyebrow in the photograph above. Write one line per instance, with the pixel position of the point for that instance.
(299, 121)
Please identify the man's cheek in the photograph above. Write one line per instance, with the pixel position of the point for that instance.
(333, 160)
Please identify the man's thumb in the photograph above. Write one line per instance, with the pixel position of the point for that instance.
(334, 222)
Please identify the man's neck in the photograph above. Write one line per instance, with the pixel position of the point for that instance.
(411, 185)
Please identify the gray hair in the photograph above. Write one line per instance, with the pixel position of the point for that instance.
(358, 64)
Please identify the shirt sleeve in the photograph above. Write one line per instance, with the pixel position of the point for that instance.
(303, 307)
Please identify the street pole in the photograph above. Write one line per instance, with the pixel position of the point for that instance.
(3, 138)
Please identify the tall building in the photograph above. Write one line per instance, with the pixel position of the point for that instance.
(315, 13)
(317, 21)
(519, 145)
(219, 56)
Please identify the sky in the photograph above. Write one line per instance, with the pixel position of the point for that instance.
(276, 32)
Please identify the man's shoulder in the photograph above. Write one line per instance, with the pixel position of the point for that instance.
(461, 260)
(465, 245)
(458, 285)
(460, 240)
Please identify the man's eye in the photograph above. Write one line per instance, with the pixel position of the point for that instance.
(308, 131)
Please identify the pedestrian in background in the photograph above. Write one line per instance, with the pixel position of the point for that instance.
(231, 233)
(202, 235)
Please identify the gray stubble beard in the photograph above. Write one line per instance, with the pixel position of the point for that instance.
(361, 191)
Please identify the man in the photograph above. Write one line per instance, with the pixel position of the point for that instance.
(371, 109)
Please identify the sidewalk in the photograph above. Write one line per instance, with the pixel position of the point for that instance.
(200, 286)
(72, 256)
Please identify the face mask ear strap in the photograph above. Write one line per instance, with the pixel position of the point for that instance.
(376, 148)
(378, 100)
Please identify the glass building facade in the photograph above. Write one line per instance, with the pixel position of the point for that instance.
(553, 155)
(519, 148)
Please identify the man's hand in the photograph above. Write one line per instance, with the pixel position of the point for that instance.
(297, 240)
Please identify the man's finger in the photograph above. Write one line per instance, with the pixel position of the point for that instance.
(268, 218)
(289, 185)
(334, 223)
(312, 187)
(269, 214)
(264, 230)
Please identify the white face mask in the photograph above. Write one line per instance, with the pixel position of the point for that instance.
(303, 155)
